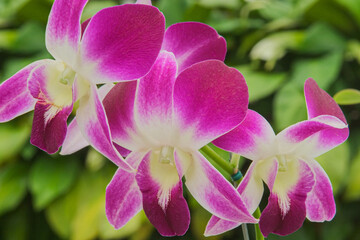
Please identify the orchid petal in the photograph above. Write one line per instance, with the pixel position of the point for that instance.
(153, 104)
(313, 137)
(320, 203)
(319, 102)
(214, 192)
(253, 138)
(123, 196)
(216, 226)
(286, 211)
(193, 42)
(63, 30)
(123, 151)
(54, 105)
(93, 123)
(251, 190)
(15, 98)
(121, 42)
(48, 132)
(210, 99)
(119, 107)
(74, 140)
(162, 193)
(84, 26)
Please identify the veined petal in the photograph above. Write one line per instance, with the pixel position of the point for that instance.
(63, 30)
(49, 126)
(162, 193)
(253, 138)
(214, 192)
(154, 100)
(119, 108)
(74, 140)
(313, 137)
(320, 203)
(210, 99)
(319, 102)
(121, 42)
(123, 151)
(217, 226)
(93, 123)
(15, 98)
(193, 42)
(286, 211)
(251, 190)
(84, 26)
(53, 107)
(123, 196)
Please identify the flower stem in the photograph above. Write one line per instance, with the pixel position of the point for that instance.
(245, 231)
(258, 233)
(218, 159)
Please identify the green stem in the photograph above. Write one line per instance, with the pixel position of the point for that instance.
(234, 161)
(218, 159)
(258, 233)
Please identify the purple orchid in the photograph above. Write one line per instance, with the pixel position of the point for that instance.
(299, 187)
(164, 118)
(118, 43)
(190, 42)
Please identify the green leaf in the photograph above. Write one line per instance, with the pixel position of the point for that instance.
(289, 106)
(7, 37)
(231, 4)
(12, 186)
(336, 163)
(61, 212)
(107, 231)
(10, 7)
(333, 13)
(51, 177)
(93, 7)
(274, 46)
(353, 6)
(17, 224)
(12, 139)
(30, 39)
(352, 192)
(173, 10)
(91, 203)
(324, 70)
(347, 97)
(322, 38)
(261, 84)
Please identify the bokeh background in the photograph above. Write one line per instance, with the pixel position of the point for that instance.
(276, 44)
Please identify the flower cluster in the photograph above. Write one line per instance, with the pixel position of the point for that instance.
(173, 95)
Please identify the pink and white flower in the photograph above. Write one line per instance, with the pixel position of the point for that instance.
(116, 44)
(299, 187)
(190, 42)
(164, 119)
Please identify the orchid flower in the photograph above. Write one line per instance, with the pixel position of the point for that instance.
(299, 187)
(190, 42)
(164, 119)
(116, 44)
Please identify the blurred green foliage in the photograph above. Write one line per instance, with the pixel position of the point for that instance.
(276, 44)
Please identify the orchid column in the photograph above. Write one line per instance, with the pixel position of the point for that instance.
(107, 48)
